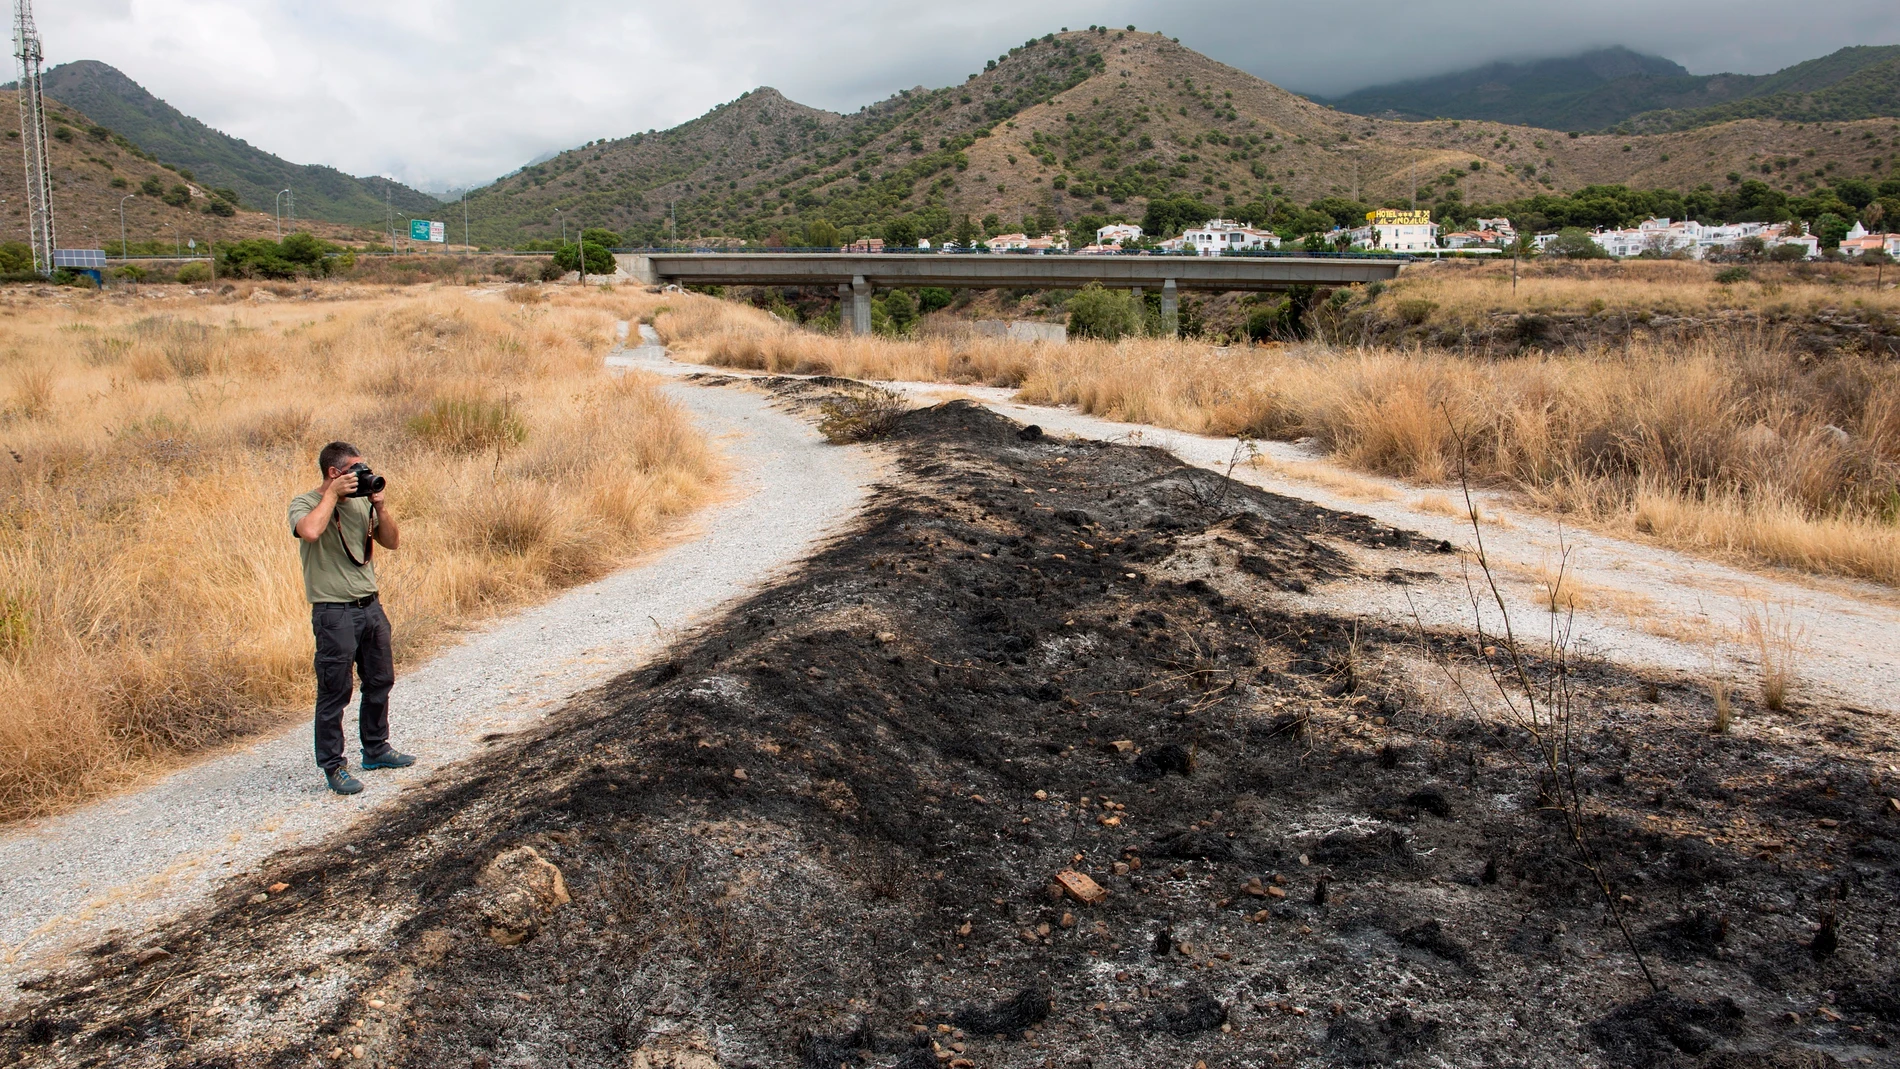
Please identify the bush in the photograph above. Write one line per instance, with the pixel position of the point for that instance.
(931, 298)
(220, 208)
(177, 196)
(1575, 243)
(1416, 310)
(1729, 276)
(192, 274)
(900, 312)
(131, 273)
(1787, 254)
(1097, 312)
(16, 258)
(863, 414)
(298, 254)
(152, 187)
(568, 258)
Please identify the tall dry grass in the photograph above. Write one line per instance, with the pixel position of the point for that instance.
(1736, 445)
(1471, 292)
(150, 600)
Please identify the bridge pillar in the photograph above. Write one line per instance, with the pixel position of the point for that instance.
(1170, 309)
(860, 305)
(844, 306)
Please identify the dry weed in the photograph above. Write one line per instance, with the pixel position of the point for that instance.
(1779, 641)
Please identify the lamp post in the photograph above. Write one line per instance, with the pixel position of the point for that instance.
(122, 245)
(465, 221)
(277, 206)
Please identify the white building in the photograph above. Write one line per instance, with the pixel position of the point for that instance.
(1391, 230)
(1117, 234)
(1666, 237)
(1224, 235)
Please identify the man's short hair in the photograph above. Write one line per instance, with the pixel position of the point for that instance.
(333, 456)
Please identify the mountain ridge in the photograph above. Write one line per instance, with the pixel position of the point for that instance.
(111, 98)
(1606, 89)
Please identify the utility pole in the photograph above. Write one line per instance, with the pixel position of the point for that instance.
(122, 200)
(277, 206)
(39, 171)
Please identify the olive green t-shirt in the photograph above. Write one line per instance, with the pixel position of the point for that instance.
(328, 574)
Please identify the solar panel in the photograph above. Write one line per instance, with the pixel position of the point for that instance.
(80, 258)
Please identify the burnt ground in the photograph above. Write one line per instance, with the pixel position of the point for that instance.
(824, 833)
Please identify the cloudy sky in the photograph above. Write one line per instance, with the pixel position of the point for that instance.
(440, 93)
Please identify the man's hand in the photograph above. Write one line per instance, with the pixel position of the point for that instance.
(340, 485)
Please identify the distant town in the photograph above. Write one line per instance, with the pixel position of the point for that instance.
(1414, 232)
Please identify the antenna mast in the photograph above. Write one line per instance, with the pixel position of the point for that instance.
(39, 171)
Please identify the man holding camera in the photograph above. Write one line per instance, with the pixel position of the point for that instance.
(338, 525)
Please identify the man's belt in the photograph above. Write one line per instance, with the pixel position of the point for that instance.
(357, 602)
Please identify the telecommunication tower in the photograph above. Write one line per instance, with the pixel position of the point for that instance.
(39, 170)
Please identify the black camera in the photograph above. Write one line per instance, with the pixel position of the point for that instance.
(367, 481)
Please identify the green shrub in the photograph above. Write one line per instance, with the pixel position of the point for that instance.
(1098, 312)
(1729, 276)
(192, 274)
(1414, 311)
(599, 260)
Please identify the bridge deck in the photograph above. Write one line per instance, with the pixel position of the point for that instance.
(889, 270)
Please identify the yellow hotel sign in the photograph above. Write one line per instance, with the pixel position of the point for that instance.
(1392, 217)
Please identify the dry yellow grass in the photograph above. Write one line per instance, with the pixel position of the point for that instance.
(150, 602)
(1734, 445)
(1470, 292)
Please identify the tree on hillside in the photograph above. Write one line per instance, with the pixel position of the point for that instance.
(900, 233)
(1168, 216)
(1096, 312)
(1344, 211)
(1831, 229)
(820, 234)
(598, 235)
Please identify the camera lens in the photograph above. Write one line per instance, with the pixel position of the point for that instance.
(376, 483)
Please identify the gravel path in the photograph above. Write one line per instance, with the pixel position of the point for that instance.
(127, 861)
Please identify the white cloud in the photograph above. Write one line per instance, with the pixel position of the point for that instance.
(438, 92)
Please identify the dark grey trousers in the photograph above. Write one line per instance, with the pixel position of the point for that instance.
(351, 636)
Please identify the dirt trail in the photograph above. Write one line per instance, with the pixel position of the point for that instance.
(126, 862)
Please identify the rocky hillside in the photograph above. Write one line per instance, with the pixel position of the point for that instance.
(325, 193)
(1099, 123)
(95, 167)
(1606, 88)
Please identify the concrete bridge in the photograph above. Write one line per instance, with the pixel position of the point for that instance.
(857, 274)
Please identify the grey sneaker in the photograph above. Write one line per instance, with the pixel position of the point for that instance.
(390, 758)
(342, 782)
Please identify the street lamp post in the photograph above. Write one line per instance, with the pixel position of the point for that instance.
(277, 206)
(122, 246)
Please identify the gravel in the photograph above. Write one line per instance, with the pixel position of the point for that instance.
(127, 862)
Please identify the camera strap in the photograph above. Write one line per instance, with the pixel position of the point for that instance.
(369, 537)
